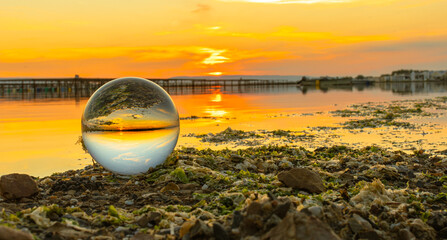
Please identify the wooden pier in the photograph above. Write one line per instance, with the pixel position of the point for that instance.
(32, 88)
(58, 82)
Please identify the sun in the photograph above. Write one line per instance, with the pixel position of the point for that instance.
(215, 73)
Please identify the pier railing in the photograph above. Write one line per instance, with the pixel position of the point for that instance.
(33, 88)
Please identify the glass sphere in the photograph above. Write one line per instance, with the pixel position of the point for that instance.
(129, 125)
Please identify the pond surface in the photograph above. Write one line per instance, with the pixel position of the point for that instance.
(40, 128)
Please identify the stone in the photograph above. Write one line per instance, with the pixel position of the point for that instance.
(316, 211)
(358, 224)
(13, 186)
(251, 224)
(142, 236)
(254, 208)
(170, 187)
(282, 209)
(421, 230)
(205, 215)
(7, 233)
(237, 219)
(273, 221)
(71, 192)
(438, 220)
(46, 181)
(297, 226)
(189, 186)
(236, 198)
(195, 230)
(61, 231)
(185, 229)
(74, 201)
(443, 233)
(369, 235)
(219, 232)
(121, 229)
(302, 178)
(154, 217)
(236, 158)
(405, 234)
(142, 220)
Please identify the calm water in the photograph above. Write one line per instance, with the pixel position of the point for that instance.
(39, 128)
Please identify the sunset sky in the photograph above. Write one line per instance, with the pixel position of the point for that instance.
(154, 38)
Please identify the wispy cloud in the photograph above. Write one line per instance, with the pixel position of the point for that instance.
(410, 45)
(284, 33)
(215, 57)
(313, 1)
(201, 8)
(127, 157)
(289, 1)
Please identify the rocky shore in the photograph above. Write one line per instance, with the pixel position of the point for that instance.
(266, 192)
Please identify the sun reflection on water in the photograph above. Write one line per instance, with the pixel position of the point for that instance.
(216, 107)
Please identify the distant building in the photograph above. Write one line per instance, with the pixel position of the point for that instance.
(415, 75)
(437, 75)
(385, 78)
(422, 75)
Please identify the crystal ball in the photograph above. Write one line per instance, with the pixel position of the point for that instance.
(130, 125)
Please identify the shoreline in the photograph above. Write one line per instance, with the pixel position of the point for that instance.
(254, 189)
(368, 192)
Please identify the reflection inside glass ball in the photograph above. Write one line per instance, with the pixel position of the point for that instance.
(130, 125)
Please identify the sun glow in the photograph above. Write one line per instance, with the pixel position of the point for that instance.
(215, 73)
(214, 28)
(191, 38)
(215, 57)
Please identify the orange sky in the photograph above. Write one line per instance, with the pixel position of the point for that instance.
(148, 38)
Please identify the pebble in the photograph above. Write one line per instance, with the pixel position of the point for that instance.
(359, 224)
(71, 192)
(7, 233)
(142, 221)
(121, 229)
(46, 181)
(316, 211)
(219, 232)
(13, 186)
(170, 187)
(302, 178)
(129, 202)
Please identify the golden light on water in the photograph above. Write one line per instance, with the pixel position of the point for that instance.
(216, 112)
(217, 97)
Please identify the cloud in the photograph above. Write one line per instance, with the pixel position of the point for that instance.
(283, 33)
(215, 56)
(412, 45)
(201, 8)
(289, 1)
(313, 1)
(127, 157)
